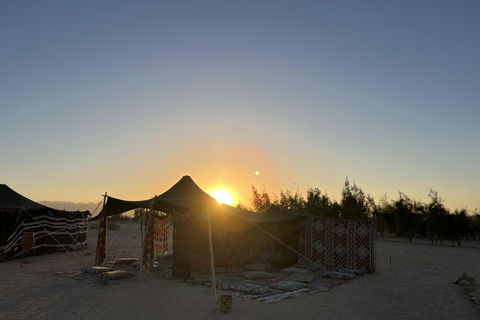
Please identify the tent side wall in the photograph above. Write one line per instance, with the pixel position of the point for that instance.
(333, 243)
(54, 230)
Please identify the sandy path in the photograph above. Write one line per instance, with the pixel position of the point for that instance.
(417, 285)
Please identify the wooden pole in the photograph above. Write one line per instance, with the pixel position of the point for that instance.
(102, 230)
(147, 217)
(212, 260)
(143, 246)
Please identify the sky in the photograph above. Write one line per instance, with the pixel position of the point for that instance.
(126, 97)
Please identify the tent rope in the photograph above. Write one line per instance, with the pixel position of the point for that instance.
(66, 250)
(123, 227)
(284, 244)
(124, 245)
(74, 239)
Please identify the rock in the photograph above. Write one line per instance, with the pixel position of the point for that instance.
(463, 278)
(471, 280)
(468, 290)
(464, 283)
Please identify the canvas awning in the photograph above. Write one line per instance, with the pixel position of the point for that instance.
(186, 194)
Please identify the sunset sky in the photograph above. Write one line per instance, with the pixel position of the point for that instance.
(126, 97)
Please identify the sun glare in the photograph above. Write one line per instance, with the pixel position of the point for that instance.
(223, 196)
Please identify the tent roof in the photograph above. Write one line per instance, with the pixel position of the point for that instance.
(186, 194)
(271, 214)
(13, 202)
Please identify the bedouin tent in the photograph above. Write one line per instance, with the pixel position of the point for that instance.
(235, 233)
(275, 235)
(53, 229)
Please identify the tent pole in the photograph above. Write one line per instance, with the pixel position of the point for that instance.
(212, 263)
(147, 217)
(141, 252)
(102, 230)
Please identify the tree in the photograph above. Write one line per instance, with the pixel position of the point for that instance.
(385, 216)
(319, 204)
(408, 216)
(293, 203)
(260, 201)
(435, 217)
(138, 213)
(355, 205)
(458, 226)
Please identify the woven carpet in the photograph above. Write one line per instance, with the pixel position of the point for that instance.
(334, 243)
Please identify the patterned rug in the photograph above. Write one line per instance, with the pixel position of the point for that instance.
(334, 243)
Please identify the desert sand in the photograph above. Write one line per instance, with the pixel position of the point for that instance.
(417, 284)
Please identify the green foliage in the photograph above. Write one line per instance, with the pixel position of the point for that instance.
(138, 214)
(474, 221)
(436, 218)
(386, 222)
(408, 216)
(119, 218)
(403, 217)
(355, 205)
(293, 203)
(260, 200)
(319, 204)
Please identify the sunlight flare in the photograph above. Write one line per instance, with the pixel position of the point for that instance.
(223, 196)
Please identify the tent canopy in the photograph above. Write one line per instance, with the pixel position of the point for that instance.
(12, 201)
(186, 194)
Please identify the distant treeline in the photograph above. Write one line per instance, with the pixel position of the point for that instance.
(403, 217)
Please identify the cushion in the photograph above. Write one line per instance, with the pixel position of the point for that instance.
(252, 275)
(339, 275)
(95, 270)
(118, 274)
(358, 272)
(287, 285)
(295, 270)
(302, 277)
(250, 288)
(258, 267)
(126, 261)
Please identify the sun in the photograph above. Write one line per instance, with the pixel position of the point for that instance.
(223, 196)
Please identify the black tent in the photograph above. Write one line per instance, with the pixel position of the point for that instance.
(193, 210)
(54, 230)
(185, 195)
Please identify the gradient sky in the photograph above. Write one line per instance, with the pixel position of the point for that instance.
(126, 97)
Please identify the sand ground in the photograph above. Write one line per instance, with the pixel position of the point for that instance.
(418, 284)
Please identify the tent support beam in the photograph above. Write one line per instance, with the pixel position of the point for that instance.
(212, 260)
(102, 229)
